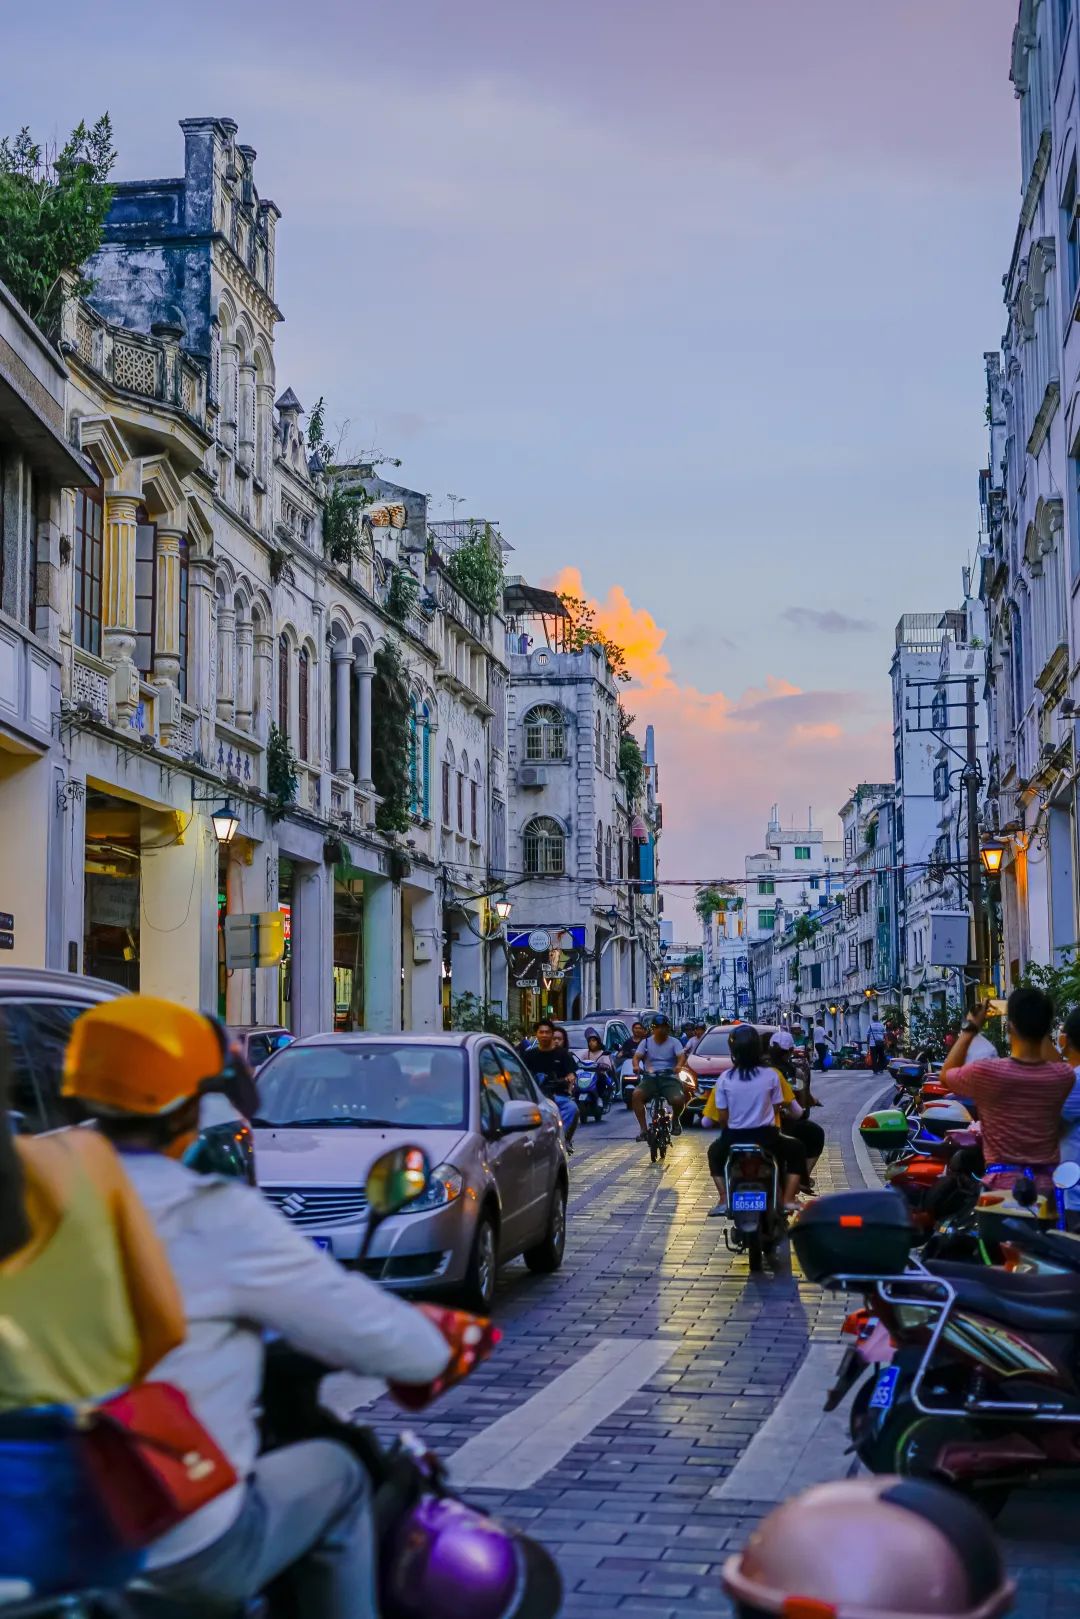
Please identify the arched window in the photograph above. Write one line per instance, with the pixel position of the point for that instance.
(414, 758)
(545, 733)
(1020, 695)
(447, 771)
(599, 850)
(183, 632)
(303, 700)
(607, 749)
(474, 802)
(284, 684)
(598, 746)
(462, 776)
(425, 762)
(607, 854)
(145, 537)
(544, 847)
(622, 857)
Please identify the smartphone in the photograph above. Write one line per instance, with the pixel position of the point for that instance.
(998, 1007)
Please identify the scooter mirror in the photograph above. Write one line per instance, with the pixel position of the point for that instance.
(397, 1179)
(1066, 1176)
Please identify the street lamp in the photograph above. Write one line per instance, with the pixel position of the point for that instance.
(992, 853)
(226, 822)
(503, 907)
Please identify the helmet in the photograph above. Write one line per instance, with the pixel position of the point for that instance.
(872, 1548)
(451, 1562)
(592, 1034)
(143, 1056)
(783, 1040)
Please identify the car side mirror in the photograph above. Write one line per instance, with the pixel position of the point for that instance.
(518, 1116)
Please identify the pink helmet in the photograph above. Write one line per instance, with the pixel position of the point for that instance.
(871, 1548)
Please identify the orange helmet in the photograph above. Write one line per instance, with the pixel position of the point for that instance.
(141, 1055)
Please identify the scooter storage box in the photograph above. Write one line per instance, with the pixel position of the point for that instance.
(853, 1234)
(885, 1130)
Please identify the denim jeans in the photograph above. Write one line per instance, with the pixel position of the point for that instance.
(307, 1512)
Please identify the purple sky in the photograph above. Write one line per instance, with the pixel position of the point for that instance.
(692, 296)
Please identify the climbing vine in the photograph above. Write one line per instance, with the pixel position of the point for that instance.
(403, 594)
(281, 778)
(390, 739)
(476, 569)
(342, 526)
(631, 767)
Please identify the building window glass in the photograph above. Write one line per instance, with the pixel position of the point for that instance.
(544, 847)
(283, 685)
(766, 920)
(145, 538)
(414, 759)
(607, 748)
(599, 850)
(425, 762)
(598, 747)
(303, 686)
(474, 810)
(183, 627)
(461, 802)
(766, 886)
(802, 851)
(607, 854)
(89, 522)
(446, 793)
(545, 733)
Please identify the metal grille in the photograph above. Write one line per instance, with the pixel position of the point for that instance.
(315, 1206)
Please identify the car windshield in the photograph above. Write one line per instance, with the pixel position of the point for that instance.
(714, 1044)
(408, 1087)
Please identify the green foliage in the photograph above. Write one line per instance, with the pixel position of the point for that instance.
(583, 632)
(403, 594)
(470, 1015)
(1061, 983)
(281, 778)
(927, 1029)
(692, 962)
(342, 529)
(707, 902)
(53, 206)
(804, 928)
(631, 767)
(476, 569)
(390, 739)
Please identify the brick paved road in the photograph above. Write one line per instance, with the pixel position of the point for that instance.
(627, 1510)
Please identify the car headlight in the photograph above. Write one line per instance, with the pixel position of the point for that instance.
(446, 1186)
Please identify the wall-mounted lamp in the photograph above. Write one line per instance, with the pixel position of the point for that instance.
(226, 822)
(503, 907)
(992, 854)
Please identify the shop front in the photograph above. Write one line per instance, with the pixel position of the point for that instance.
(546, 970)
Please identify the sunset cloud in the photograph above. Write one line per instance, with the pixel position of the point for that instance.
(725, 760)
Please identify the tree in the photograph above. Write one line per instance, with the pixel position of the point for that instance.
(342, 528)
(707, 902)
(471, 1015)
(53, 206)
(583, 633)
(1061, 983)
(476, 569)
(631, 767)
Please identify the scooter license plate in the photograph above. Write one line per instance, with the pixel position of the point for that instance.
(749, 1202)
(884, 1389)
(324, 1244)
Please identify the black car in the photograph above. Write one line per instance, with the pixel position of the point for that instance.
(37, 1009)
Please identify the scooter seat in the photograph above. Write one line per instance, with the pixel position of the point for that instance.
(1016, 1298)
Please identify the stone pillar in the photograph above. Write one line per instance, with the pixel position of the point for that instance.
(167, 606)
(245, 448)
(342, 741)
(264, 415)
(228, 397)
(118, 601)
(226, 662)
(364, 676)
(244, 676)
(263, 655)
(382, 955)
(201, 650)
(424, 978)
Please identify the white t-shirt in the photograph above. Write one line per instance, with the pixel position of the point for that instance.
(750, 1100)
(820, 1037)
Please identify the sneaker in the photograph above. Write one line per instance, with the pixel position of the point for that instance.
(717, 1211)
(641, 1137)
(676, 1128)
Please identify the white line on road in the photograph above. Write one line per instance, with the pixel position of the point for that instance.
(528, 1442)
(799, 1445)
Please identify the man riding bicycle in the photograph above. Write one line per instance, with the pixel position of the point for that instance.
(659, 1054)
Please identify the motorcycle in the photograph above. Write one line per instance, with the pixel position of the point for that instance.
(438, 1558)
(627, 1082)
(756, 1223)
(966, 1374)
(595, 1089)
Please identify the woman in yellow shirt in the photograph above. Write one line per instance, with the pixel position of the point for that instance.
(88, 1303)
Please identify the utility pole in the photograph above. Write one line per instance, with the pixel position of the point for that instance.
(971, 783)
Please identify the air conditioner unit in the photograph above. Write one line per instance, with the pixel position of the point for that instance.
(532, 776)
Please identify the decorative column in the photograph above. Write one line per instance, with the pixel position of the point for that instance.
(200, 680)
(244, 674)
(228, 397)
(245, 427)
(166, 671)
(263, 653)
(364, 675)
(264, 415)
(118, 602)
(226, 662)
(342, 662)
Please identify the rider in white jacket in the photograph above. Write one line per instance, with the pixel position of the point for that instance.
(140, 1065)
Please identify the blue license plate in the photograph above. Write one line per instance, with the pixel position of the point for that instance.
(884, 1389)
(750, 1202)
(323, 1243)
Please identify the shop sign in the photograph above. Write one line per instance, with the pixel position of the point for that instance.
(540, 957)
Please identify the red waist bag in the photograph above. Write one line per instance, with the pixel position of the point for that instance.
(151, 1460)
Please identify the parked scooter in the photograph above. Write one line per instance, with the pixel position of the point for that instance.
(971, 1373)
(437, 1557)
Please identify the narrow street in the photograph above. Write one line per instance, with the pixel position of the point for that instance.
(616, 1421)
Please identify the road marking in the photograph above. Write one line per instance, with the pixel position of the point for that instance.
(528, 1442)
(862, 1156)
(800, 1444)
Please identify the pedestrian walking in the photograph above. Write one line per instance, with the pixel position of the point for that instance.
(822, 1042)
(875, 1035)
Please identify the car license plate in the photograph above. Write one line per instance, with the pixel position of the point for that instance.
(324, 1244)
(884, 1389)
(750, 1202)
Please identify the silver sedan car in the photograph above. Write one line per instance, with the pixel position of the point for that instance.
(331, 1104)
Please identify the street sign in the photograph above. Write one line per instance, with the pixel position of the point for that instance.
(254, 939)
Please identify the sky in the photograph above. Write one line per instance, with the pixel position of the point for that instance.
(691, 297)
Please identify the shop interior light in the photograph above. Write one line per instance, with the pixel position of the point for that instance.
(226, 822)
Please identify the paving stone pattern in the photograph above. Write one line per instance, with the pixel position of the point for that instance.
(631, 1512)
